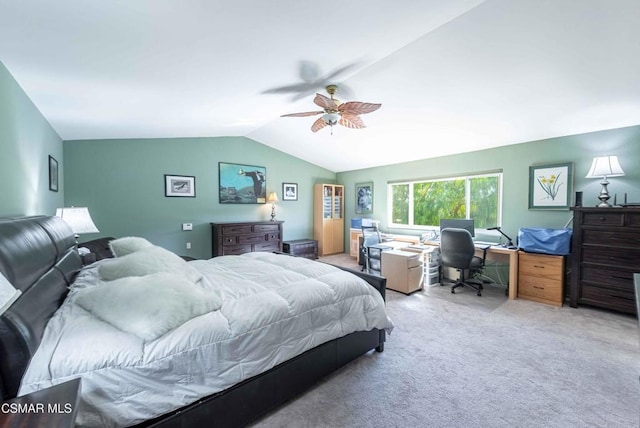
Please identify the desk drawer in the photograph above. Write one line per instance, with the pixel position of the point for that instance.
(540, 265)
(546, 289)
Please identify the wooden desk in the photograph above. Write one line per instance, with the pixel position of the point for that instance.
(496, 253)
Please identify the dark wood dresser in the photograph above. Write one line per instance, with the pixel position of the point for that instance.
(247, 237)
(605, 254)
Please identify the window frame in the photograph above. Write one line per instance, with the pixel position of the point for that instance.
(466, 177)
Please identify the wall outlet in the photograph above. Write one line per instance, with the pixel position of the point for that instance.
(188, 245)
(187, 226)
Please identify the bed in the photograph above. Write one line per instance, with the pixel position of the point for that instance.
(236, 359)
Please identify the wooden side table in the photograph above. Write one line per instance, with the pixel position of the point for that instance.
(53, 407)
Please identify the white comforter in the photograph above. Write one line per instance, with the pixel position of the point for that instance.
(274, 307)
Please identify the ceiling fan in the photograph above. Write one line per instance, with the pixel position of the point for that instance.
(335, 112)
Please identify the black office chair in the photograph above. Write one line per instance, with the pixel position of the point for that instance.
(370, 236)
(458, 251)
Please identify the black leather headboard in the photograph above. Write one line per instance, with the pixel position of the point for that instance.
(37, 256)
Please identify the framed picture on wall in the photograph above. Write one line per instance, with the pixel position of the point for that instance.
(550, 186)
(364, 198)
(289, 191)
(53, 174)
(183, 186)
(242, 184)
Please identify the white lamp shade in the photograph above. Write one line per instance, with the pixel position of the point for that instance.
(78, 218)
(273, 197)
(605, 166)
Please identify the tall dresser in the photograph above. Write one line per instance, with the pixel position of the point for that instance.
(605, 254)
(239, 238)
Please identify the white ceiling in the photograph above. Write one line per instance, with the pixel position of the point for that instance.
(452, 75)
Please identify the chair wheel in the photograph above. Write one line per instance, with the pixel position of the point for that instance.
(481, 287)
(453, 291)
(479, 293)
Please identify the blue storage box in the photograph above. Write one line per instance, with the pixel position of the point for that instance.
(357, 223)
(546, 241)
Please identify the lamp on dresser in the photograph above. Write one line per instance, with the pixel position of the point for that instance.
(603, 167)
(273, 198)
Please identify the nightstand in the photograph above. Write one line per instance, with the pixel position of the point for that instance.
(53, 407)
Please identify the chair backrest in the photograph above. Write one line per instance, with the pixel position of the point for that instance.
(370, 236)
(456, 248)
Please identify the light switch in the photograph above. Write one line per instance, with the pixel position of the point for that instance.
(187, 226)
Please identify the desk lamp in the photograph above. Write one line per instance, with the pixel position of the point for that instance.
(603, 167)
(509, 242)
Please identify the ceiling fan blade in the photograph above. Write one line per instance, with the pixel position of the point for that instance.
(356, 107)
(299, 87)
(303, 114)
(354, 122)
(324, 102)
(318, 125)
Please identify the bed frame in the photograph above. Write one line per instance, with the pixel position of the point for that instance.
(38, 256)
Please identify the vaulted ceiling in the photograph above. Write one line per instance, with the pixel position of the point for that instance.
(452, 75)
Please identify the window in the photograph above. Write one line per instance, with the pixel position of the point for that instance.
(423, 203)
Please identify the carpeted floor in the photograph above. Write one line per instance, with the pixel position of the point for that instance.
(459, 360)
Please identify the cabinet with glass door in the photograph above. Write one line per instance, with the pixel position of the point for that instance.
(328, 218)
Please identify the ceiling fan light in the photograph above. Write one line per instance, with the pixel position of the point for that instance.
(331, 118)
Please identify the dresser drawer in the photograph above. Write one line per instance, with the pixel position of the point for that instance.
(234, 250)
(612, 237)
(603, 219)
(617, 279)
(612, 256)
(266, 228)
(633, 219)
(542, 288)
(250, 239)
(540, 265)
(234, 230)
(607, 298)
(266, 246)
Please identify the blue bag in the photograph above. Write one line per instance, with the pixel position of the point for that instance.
(545, 241)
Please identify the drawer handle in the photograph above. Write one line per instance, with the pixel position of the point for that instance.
(538, 287)
(619, 277)
(602, 218)
(538, 266)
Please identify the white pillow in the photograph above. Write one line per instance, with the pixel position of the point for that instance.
(146, 262)
(127, 245)
(148, 306)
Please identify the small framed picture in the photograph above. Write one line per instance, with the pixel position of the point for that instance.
(182, 186)
(364, 198)
(53, 174)
(289, 191)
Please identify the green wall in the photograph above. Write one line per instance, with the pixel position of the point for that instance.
(514, 161)
(122, 183)
(26, 141)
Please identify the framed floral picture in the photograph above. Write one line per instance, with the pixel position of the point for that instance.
(550, 186)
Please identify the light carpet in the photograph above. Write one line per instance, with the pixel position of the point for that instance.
(452, 362)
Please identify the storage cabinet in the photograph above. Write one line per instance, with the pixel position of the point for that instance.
(541, 278)
(328, 218)
(403, 270)
(307, 248)
(605, 254)
(247, 237)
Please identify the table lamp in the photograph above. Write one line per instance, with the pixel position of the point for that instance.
(79, 219)
(603, 167)
(273, 198)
